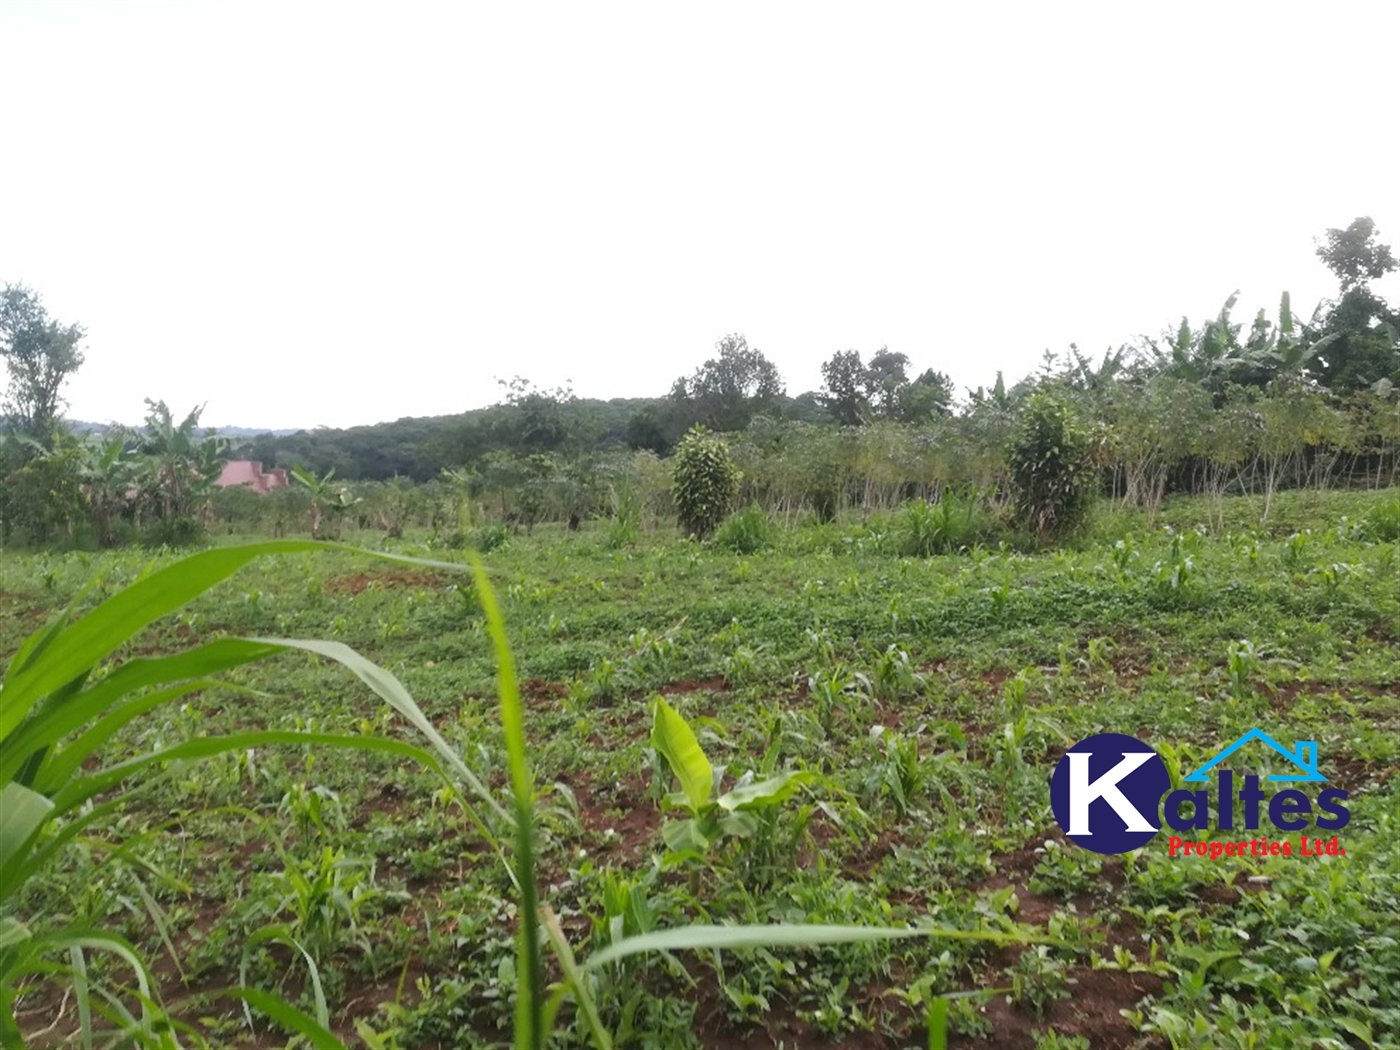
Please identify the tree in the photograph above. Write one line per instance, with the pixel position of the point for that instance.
(645, 429)
(1366, 347)
(1354, 254)
(536, 421)
(42, 494)
(1052, 473)
(929, 396)
(856, 393)
(40, 354)
(886, 378)
(730, 389)
(108, 472)
(843, 388)
(704, 481)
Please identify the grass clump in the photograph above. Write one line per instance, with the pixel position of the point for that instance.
(952, 524)
(1383, 521)
(746, 532)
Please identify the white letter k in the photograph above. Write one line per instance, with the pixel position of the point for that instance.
(1081, 792)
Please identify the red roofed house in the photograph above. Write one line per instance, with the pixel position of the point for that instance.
(247, 472)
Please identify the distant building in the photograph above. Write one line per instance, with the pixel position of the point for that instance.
(247, 472)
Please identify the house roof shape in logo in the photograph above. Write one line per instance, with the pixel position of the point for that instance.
(1303, 755)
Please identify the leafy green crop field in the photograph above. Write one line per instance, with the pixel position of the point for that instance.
(925, 703)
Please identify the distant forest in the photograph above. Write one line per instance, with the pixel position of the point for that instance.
(421, 447)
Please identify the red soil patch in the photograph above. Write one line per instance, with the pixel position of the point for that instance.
(715, 684)
(360, 582)
(1091, 1011)
(622, 808)
(1096, 996)
(538, 691)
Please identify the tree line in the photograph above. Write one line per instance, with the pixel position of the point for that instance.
(1214, 407)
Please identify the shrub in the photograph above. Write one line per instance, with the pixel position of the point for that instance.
(826, 500)
(746, 532)
(1383, 521)
(173, 532)
(483, 538)
(1052, 472)
(704, 481)
(487, 538)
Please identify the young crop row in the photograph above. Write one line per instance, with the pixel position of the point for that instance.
(803, 790)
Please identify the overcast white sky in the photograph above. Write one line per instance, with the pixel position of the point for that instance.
(339, 213)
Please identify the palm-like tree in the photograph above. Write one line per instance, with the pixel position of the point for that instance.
(181, 463)
(109, 472)
(327, 502)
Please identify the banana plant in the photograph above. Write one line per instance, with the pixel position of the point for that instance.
(180, 464)
(710, 814)
(325, 501)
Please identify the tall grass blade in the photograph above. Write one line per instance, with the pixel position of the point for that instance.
(281, 935)
(84, 788)
(938, 1024)
(289, 1017)
(73, 651)
(575, 979)
(161, 922)
(64, 713)
(22, 813)
(785, 935)
(81, 993)
(529, 1003)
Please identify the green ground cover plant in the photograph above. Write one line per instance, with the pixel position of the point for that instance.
(916, 705)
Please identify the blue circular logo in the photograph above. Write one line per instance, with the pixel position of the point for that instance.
(1106, 792)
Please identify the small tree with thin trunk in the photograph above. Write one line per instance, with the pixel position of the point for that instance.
(1052, 469)
(40, 354)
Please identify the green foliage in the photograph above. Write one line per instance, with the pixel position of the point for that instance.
(1174, 573)
(747, 532)
(843, 389)
(728, 390)
(1052, 473)
(42, 496)
(1241, 665)
(1364, 329)
(1037, 980)
(835, 906)
(487, 538)
(40, 355)
(856, 393)
(954, 523)
(58, 715)
(704, 482)
(173, 532)
(1354, 254)
(329, 503)
(1382, 523)
(178, 465)
(712, 816)
(625, 527)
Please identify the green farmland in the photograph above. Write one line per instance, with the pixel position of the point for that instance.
(914, 709)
